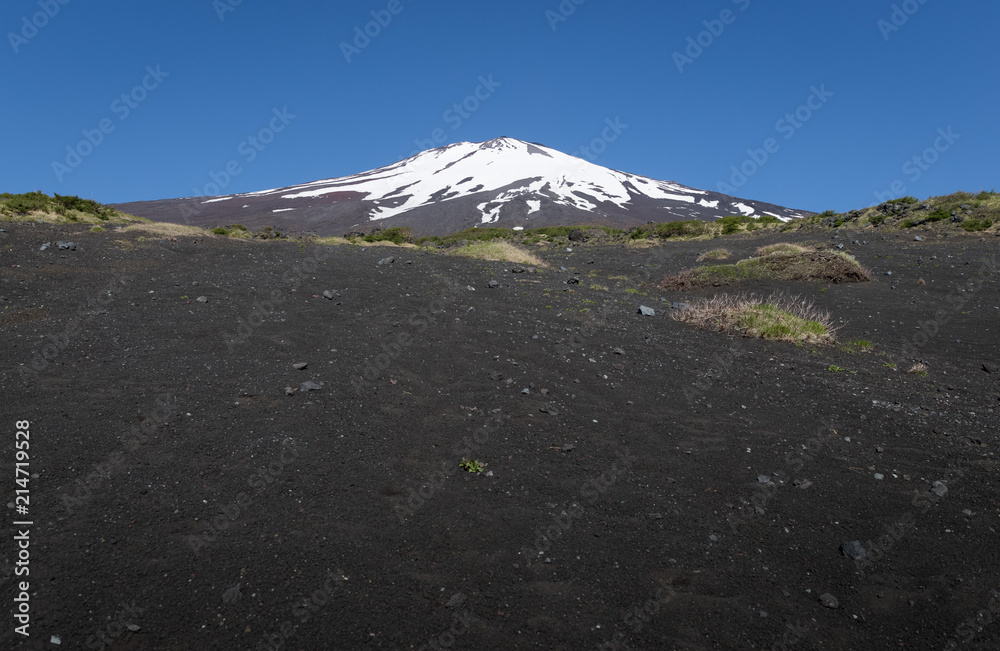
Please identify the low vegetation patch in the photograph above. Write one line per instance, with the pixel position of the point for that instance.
(782, 265)
(163, 229)
(858, 346)
(782, 247)
(777, 317)
(58, 209)
(715, 254)
(499, 251)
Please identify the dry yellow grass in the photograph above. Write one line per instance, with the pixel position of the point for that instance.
(499, 252)
(164, 229)
(782, 247)
(715, 254)
(778, 317)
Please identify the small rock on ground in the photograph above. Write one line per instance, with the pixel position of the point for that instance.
(828, 600)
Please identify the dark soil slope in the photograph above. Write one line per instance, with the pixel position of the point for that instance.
(647, 485)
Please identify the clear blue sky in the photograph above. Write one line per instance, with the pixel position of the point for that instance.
(556, 79)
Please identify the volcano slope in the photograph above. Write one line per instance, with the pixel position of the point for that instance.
(647, 484)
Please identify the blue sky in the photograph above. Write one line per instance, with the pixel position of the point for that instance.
(907, 105)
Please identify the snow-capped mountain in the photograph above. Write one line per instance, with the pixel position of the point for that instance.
(503, 182)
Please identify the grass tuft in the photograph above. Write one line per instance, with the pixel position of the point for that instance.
(805, 265)
(715, 254)
(777, 317)
(499, 251)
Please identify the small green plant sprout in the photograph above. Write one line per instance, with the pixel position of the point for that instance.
(889, 365)
(833, 368)
(918, 369)
(471, 465)
(858, 346)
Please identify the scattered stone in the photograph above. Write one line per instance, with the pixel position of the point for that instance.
(888, 273)
(202, 299)
(840, 246)
(618, 351)
(854, 550)
(330, 294)
(679, 306)
(385, 261)
(576, 235)
(289, 391)
(470, 288)
(493, 284)
(646, 311)
(525, 391)
(939, 488)
(880, 449)
(828, 600)
(309, 386)
(764, 479)
(967, 512)
(713, 538)
(990, 368)
(879, 476)
(568, 447)
(802, 483)
(918, 238)
(55, 639)
(45, 246)
(66, 246)
(563, 269)
(573, 281)
(517, 270)
(300, 366)
(135, 628)
(549, 409)
(496, 376)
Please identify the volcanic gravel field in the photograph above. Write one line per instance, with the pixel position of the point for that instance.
(647, 484)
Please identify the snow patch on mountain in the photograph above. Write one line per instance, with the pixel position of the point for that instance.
(517, 170)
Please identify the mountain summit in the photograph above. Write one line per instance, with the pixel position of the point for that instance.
(503, 182)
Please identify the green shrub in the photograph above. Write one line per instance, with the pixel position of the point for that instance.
(938, 215)
(876, 220)
(395, 234)
(974, 225)
(906, 199)
(220, 230)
